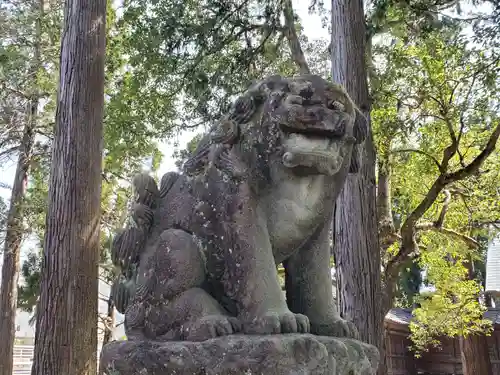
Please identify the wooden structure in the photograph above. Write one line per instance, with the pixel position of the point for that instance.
(23, 359)
(444, 361)
(493, 268)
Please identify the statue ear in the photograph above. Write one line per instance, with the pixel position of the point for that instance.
(360, 133)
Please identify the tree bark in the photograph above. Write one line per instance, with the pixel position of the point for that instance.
(386, 230)
(475, 355)
(293, 40)
(356, 248)
(66, 334)
(14, 228)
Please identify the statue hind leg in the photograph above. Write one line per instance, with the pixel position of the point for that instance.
(169, 302)
(159, 290)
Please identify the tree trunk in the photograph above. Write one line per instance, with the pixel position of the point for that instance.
(66, 334)
(14, 227)
(356, 245)
(386, 230)
(475, 355)
(293, 40)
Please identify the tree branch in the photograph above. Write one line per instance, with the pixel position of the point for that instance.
(293, 40)
(105, 320)
(469, 241)
(446, 204)
(422, 153)
(408, 228)
(474, 166)
(8, 151)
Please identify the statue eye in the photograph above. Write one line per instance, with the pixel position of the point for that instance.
(336, 105)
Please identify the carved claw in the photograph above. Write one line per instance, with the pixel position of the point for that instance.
(273, 322)
(209, 327)
(337, 327)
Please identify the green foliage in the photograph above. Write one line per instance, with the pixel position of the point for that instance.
(453, 309)
(398, 17)
(204, 50)
(409, 284)
(28, 291)
(432, 95)
(189, 59)
(18, 82)
(428, 92)
(182, 155)
(134, 120)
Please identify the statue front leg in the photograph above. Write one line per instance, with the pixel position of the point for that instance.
(308, 284)
(241, 263)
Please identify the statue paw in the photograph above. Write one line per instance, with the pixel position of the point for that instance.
(211, 326)
(273, 322)
(336, 327)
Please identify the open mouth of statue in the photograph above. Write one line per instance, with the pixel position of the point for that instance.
(315, 146)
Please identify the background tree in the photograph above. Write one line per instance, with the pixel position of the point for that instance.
(201, 55)
(3, 220)
(356, 250)
(19, 129)
(67, 309)
(436, 133)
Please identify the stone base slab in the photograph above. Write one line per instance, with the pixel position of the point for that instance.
(290, 354)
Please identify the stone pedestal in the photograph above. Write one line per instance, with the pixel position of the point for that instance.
(290, 354)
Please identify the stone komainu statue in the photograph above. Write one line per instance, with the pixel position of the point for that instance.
(199, 254)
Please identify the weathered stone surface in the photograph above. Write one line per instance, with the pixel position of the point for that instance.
(291, 354)
(256, 192)
(199, 285)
